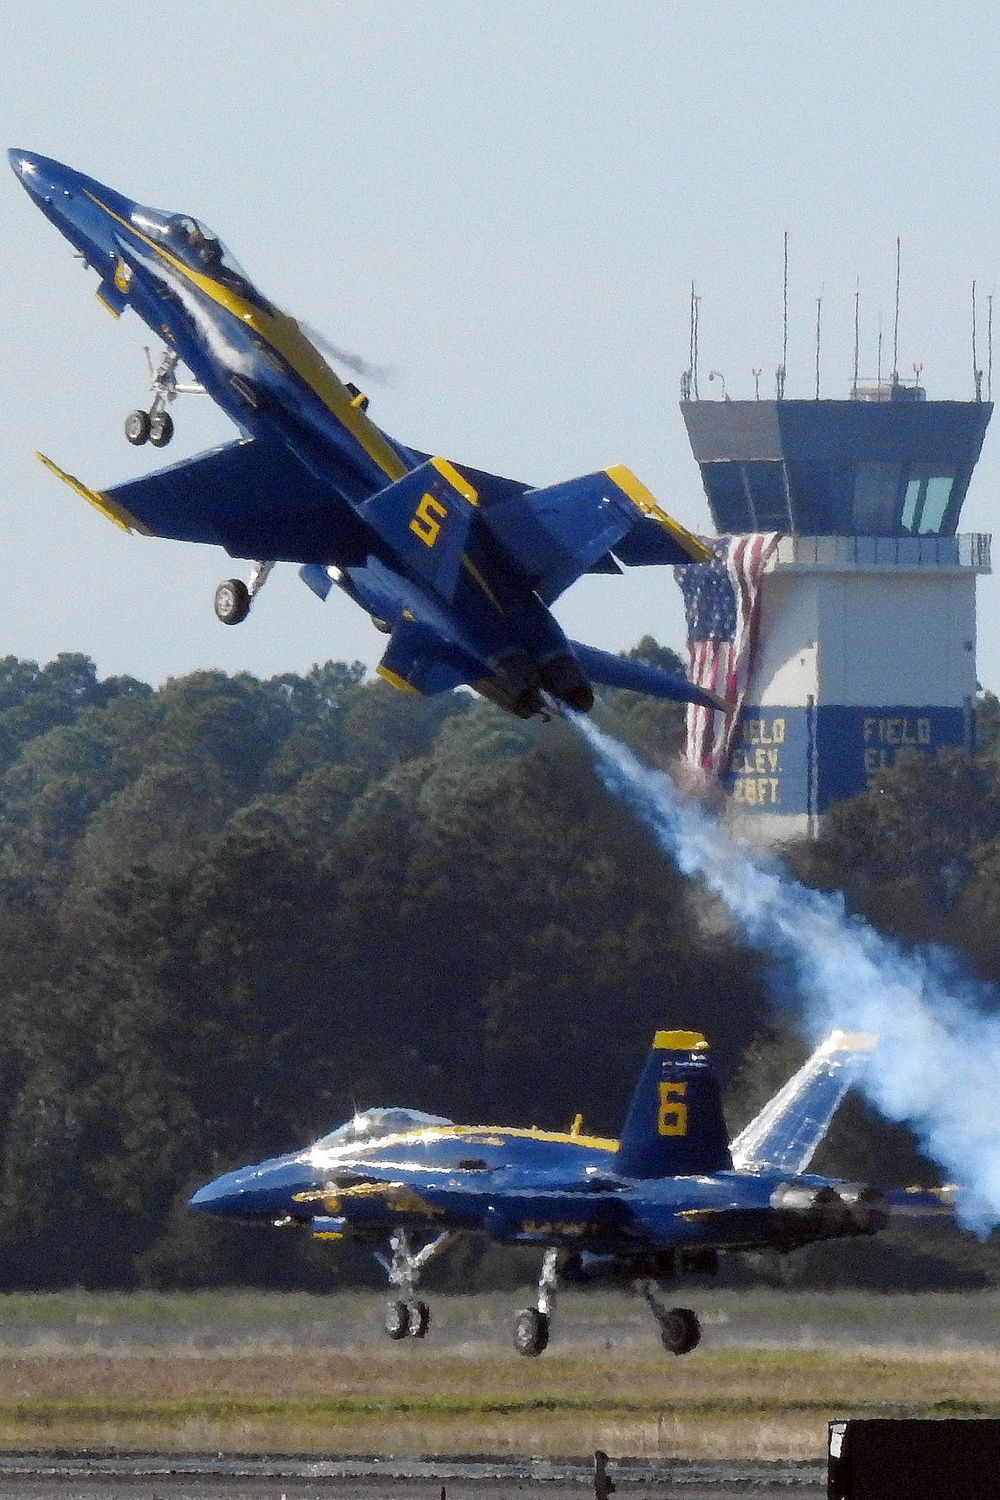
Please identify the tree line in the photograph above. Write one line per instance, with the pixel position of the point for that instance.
(232, 911)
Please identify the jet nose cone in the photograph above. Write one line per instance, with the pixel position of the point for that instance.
(43, 178)
(263, 1190)
(205, 1197)
(23, 162)
(220, 1195)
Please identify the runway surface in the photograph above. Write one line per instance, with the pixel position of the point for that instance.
(31, 1476)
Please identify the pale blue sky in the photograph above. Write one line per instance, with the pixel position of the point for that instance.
(506, 204)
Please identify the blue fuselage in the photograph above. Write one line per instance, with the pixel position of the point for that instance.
(522, 1186)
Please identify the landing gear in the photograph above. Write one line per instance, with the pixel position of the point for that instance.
(161, 428)
(397, 1320)
(234, 597)
(420, 1319)
(137, 427)
(680, 1330)
(532, 1324)
(156, 426)
(407, 1317)
(232, 601)
(531, 1331)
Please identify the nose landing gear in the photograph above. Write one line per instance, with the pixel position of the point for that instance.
(156, 426)
(406, 1317)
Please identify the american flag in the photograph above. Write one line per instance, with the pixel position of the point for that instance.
(721, 602)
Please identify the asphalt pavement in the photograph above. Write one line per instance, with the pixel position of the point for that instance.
(95, 1476)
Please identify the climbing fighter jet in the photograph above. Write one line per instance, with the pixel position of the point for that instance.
(664, 1199)
(456, 566)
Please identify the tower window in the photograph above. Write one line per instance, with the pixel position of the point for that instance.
(926, 502)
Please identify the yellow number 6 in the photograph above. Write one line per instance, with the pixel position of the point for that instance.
(673, 1116)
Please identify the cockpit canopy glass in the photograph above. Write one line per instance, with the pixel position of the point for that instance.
(192, 243)
(373, 1123)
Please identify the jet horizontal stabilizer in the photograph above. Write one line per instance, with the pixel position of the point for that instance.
(618, 671)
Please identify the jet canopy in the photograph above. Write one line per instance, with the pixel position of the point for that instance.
(191, 242)
(371, 1124)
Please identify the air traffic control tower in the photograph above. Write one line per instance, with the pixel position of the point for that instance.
(865, 638)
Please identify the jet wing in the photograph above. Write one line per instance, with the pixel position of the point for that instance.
(786, 1133)
(253, 498)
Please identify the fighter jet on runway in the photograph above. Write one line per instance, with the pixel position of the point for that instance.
(662, 1200)
(456, 566)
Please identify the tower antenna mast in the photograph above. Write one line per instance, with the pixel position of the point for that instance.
(895, 325)
(857, 335)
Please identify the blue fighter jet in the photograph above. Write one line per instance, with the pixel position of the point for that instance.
(662, 1200)
(456, 566)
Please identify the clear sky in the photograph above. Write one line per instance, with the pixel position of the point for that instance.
(505, 203)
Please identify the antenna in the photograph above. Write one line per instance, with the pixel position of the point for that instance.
(780, 372)
(857, 335)
(756, 382)
(819, 311)
(878, 377)
(989, 347)
(688, 375)
(694, 340)
(977, 374)
(895, 325)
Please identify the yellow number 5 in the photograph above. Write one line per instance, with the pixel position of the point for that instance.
(673, 1116)
(427, 520)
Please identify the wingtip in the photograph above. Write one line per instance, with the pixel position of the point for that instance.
(115, 513)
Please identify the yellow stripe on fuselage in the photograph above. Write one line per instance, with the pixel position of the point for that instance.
(474, 1132)
(286, 338)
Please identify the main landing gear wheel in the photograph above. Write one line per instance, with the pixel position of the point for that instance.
(531, 1332)
(232, 603)
(161, 428)
(680, 1330)
(397, 1320)
(137, 428)
(420, 1319)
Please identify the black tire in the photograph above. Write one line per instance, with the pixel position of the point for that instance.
(232, 601)
(531, 1332)
(397, 1320)
(420, 1319)
(137, 428)
(161, 429)
(680, 1330)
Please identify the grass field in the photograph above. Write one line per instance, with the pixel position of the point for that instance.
(247, 1372)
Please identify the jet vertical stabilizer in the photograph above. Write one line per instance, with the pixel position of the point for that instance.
(675, 1126)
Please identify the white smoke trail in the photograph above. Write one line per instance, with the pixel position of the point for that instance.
(937, 1066)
